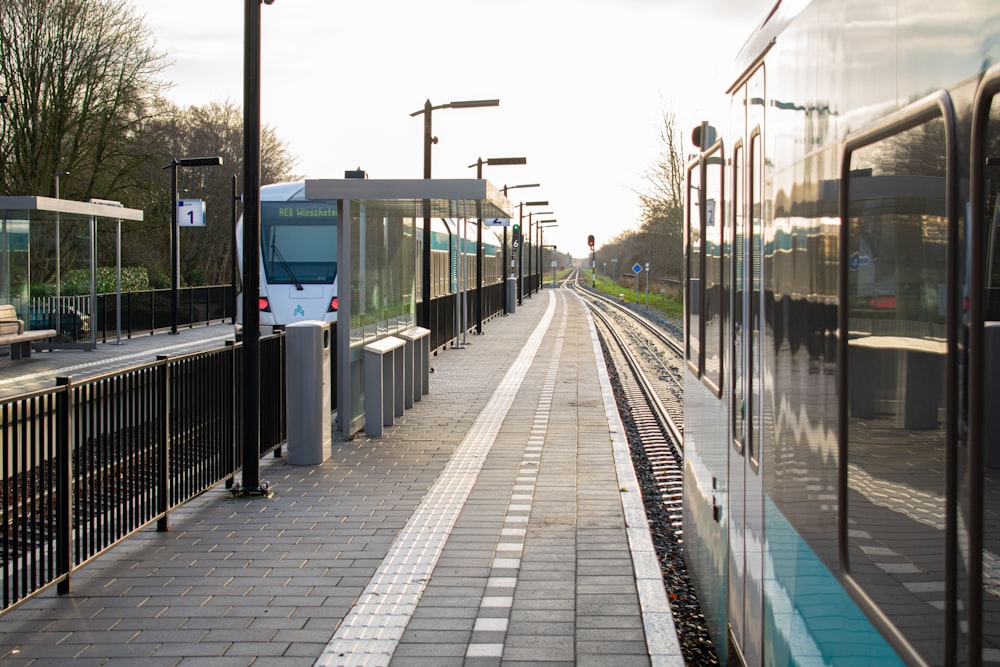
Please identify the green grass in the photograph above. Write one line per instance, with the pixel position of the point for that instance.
(662, 302)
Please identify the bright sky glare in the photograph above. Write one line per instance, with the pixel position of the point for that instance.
(583, 86)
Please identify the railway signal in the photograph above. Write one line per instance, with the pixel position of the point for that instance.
(590, 241)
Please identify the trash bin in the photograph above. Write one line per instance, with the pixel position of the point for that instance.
(511, 294)
(307, 378)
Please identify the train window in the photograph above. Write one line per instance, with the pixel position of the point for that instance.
(693, 331)
(754, 193)
(712, 280)
(896, 228)
(736, 377)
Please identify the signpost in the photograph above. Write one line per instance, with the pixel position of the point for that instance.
(637, 269)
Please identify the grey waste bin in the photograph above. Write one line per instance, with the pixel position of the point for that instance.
(511, 294)
(307, 396)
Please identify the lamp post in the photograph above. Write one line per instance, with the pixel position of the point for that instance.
(520, 241)
(58, 174)
(494, 161)
(175, 251)
(541, 225)
(251, 486)
(553, 262)
(429, 139)
(534, 245)
(504, 253)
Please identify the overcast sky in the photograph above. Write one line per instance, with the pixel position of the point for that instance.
(583, 86)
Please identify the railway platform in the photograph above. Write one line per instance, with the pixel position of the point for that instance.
(498, 522)
(41, 368)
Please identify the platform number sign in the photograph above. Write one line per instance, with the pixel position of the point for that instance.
(190, 213)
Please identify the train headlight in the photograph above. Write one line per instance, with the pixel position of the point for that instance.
(333, 305)
(263, 305)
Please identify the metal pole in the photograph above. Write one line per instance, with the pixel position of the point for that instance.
(175, 262)
(118, 282)
(647, 285)
(479, 254)
(465, 282)
(251, 247)
(58, 262)
(520, 251)
(524, 241)
(232, 252)
(503, 262)
(425, 306)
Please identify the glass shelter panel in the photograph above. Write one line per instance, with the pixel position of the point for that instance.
(14, 258)
(383, 280)
(896, 301)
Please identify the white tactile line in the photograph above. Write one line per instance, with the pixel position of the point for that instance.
(510, 547)
(371, 631)
(661, 635)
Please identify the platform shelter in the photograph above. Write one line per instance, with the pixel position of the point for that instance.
(67, 230)
(381, 251)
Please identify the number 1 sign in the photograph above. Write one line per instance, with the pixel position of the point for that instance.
(190, 213)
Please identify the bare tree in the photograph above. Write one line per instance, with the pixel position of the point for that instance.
(659, 239)
(80, 76)
(209, 130)
(663, 204)
(78, 79)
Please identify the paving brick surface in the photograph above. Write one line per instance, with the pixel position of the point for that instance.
(536, 568)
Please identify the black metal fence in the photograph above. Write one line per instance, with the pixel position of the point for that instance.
(83, 465)
(146, 311)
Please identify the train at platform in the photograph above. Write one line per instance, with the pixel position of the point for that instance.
(298, 257)
(842, 339)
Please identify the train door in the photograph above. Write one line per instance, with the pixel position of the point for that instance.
(981, 508)
(746, 525)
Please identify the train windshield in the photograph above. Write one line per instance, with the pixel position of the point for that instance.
(298, 242)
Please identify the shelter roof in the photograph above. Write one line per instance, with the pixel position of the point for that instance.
(35, 208)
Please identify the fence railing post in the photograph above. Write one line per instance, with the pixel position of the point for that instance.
(163, 446)
(64, 483)
(234, 442)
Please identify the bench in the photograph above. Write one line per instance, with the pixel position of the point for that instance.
(12, 333)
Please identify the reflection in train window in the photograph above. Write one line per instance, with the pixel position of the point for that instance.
(693, 301)
(736, 378)
(896, 303)
(714, 234)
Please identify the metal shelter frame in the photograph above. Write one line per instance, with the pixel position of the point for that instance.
(33, 209)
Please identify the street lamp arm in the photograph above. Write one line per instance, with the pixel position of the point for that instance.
(465, 104)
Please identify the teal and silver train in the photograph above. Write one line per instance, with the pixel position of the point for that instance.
(842, 335)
